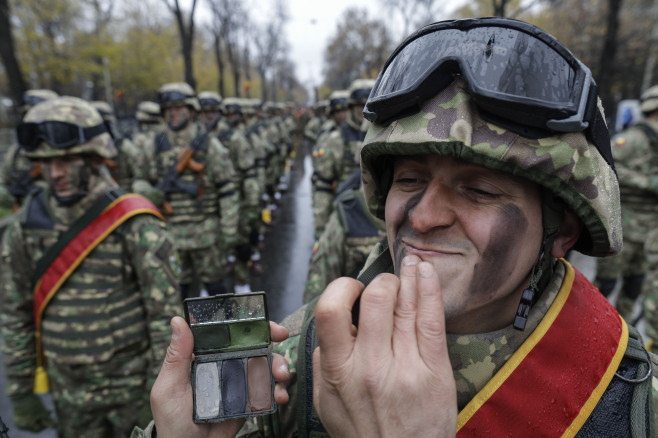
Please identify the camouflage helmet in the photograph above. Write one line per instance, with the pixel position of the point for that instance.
(449, 124)
(148, 112)
(32, 97)
(105, 110)
(210, 101)
(321, 105)
(359, 91)
(232, 105)
(177, 94)
(72, 111)
(649, 100)
(338, 100)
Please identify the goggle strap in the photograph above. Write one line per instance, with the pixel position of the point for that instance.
(598, 134)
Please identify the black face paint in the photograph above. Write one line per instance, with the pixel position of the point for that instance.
(499, 257)
(399, 250)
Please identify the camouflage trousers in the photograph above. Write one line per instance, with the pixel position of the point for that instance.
(99, 400)
(323, 205)
(207, 264)
(650, 304)
(631, 265)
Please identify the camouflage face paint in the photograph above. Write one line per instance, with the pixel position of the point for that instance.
(499, 257)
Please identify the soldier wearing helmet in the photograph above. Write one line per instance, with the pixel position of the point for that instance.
(127, 165)
(312, 128)
(487, 167)
(149, 123)
(19, 175)
(191, 177)
(87, 282)
(335, 156)
(244, 162)
(635, 150)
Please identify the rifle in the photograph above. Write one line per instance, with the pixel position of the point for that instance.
(171, 184)
(21, 186)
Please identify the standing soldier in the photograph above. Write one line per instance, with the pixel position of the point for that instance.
(340, 151)
(87, 283)
(346, 241)
(635, 151)
(194, 182)
(244, 163)
(125, 167)
(313, 126)
(149, 123)
(18, 174)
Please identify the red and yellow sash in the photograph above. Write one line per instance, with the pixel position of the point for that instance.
(70, 257)
(551, 385)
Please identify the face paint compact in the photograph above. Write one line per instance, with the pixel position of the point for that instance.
(232, 369)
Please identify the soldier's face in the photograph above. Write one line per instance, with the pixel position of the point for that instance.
(209, 117)
(63, 174)
(178, 117)
(481, 229)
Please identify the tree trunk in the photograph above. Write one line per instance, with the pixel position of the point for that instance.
(608, 53)
(220, 66)
(8, 56)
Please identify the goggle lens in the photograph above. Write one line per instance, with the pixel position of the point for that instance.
(60, 135)
(505, 62)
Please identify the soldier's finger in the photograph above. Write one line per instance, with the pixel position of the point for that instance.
(430, 321)
(333, 321)
(279, 333)
(174, 378)
(406, 307)
(376, 318)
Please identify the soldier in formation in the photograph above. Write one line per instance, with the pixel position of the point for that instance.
(190, 176)
(88, 283)
(635, 151)
(338, 153)
(346, 241)
(18, 174)
(468, 318)
(313, 126)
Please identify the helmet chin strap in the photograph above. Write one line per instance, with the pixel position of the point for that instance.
(83, 186)
(552, 218)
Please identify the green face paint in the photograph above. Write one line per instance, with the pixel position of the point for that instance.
(232, 369)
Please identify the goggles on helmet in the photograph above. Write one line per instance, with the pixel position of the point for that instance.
(60, 135)
(173, 97)
(209, 102)
(519, 76)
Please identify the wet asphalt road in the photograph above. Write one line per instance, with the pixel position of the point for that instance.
(285, 259)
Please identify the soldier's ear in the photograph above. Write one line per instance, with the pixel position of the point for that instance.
(568, 234)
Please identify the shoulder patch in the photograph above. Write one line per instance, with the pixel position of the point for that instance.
(316, 246)
(620, 141)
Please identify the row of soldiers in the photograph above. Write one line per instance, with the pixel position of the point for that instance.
(345, 231)
(91, 273)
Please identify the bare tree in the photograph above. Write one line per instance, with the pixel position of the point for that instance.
(102, 18)
(229, 18)
(414, 13)
(358, 49)
(186, 31)
(269, 43)
(8, 55)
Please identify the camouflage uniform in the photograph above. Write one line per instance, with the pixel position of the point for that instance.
(244, 163)
(346, 241)
(650, 302)
(150, 123)
(125, 167)
(635, 151)
(337, 155)
(203, 225)
(105, 332)
(18, 175)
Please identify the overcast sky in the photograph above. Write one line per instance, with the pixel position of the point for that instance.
(313, 22)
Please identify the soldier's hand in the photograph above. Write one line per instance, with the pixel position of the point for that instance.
(391, 376)
(30, 413)
(171, 396)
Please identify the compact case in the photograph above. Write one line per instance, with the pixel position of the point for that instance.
(232, 369)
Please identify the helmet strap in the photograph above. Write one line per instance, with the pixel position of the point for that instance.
(552, 218)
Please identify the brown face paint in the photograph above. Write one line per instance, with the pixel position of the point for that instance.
(259, 384)
(499, 257)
